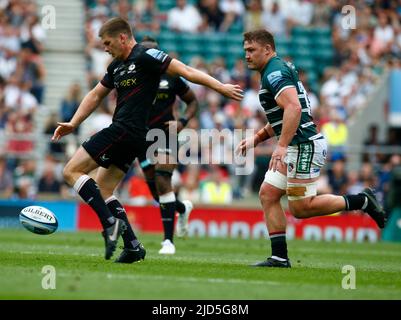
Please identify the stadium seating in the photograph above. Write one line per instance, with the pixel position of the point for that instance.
(310, 48)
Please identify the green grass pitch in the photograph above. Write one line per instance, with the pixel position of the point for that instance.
(202, 268)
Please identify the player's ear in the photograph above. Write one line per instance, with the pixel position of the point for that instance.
(123, 38)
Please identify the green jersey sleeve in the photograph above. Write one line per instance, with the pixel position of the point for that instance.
(277, 80)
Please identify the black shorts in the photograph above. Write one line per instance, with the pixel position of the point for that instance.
(114, 145)
(169, 145)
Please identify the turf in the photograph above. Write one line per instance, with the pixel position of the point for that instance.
(202, 268)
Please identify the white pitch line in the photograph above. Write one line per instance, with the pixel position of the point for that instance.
(361, 251)
(188, 259)
(111, 276)
(56, 253)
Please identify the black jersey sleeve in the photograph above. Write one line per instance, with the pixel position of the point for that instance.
(155, 61)
(107, 80)
(180, 87)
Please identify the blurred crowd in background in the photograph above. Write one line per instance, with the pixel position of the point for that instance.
(22, 73)
(344, 85)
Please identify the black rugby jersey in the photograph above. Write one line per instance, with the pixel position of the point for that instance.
(136, 81)
(162, 109)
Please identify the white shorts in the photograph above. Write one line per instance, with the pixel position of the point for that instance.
(305, 160)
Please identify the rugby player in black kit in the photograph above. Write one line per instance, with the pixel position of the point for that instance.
(159, 173)
(135, 74)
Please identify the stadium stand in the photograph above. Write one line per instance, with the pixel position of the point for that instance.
(341, 70)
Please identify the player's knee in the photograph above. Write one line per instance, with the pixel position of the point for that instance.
(163, 181)
(164, 188)
(300, 209)
(300, 196)
(68, 174)
(269, 194)
(272, 188)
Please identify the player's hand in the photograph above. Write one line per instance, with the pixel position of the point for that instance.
(245, 145)
(63, 129)
(278, 157)
(233, 91)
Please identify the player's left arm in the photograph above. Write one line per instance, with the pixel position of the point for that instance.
(177, 68)
(289, 102)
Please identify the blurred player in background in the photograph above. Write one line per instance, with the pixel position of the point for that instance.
(300, 152)
(158, 176)
(135, 74)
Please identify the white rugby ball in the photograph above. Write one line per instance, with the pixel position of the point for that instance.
(38, 220)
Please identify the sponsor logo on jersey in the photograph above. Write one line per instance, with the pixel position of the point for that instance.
(274, 77)
(157, 54)
(305, 155)
(162, 96)
(290, 64)
(117, 69)
(163, 84)
(104, 157)
(131, 68)
(127, 82)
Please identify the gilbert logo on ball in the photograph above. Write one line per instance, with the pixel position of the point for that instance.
(38, 220)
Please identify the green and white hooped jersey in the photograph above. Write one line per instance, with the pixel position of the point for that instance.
(277, 76)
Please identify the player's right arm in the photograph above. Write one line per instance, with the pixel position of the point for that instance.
(177, 68)
(89, 103)
(263, 134)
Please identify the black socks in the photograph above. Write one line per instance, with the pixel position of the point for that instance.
(355, 202)
(89, 192)
(167, 210)
(118, 211)
(179, 206)
(152, 187)
(279, 245)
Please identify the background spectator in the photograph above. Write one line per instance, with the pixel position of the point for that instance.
(70, 102)
(6, 179)
(184, 18)
(339, 68)
(216, 189)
